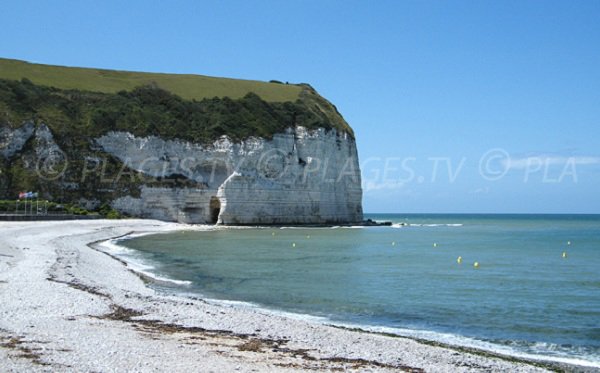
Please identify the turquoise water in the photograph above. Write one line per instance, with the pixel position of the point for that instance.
(524, 298)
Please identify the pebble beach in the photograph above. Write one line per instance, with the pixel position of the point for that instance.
(65, 305)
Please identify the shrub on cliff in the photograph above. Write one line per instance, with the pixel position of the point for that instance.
(78, 116)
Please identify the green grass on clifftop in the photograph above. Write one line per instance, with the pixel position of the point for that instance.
(186, 86)
(89, 102)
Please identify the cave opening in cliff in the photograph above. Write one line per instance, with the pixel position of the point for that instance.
(215, 209)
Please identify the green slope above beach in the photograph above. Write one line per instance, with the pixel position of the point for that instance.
(187, 86)
(190, 107)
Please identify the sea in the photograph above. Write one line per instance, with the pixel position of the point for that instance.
(522, 285)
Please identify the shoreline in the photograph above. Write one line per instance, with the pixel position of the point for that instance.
(424, 336)
(67, 305)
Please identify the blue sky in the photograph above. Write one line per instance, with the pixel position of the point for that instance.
(503, 94)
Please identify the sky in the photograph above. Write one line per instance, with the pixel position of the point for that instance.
(457, 106)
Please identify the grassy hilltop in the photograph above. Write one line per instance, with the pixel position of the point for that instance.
(186, 86)
(196, 108)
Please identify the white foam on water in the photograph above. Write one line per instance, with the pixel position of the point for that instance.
(347, 227)
(111, 247)
(404, 225)
(543, 352)
(158, 278)
(133, 261)
(305, 228)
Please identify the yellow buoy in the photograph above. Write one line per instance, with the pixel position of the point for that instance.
(294, 244)
(434, 244)
(308, 236)
(476, 264)
(459, 260)
(272, 234)
(564, 254)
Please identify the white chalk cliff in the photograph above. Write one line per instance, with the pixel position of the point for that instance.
(13, 140)
(297, 177)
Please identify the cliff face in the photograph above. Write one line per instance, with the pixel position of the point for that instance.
(298, 177)
(150, 153)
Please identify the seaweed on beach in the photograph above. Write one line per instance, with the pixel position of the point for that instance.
(18, 344)
(121, 313)
(250, 343)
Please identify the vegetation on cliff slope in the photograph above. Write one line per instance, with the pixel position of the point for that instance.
(190, 107)
(150, 110)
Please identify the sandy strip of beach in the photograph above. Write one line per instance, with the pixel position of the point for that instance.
(67, 306)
